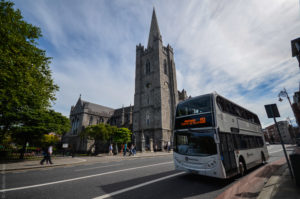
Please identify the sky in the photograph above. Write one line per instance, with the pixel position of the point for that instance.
(240, 49)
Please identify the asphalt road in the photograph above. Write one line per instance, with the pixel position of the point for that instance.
(135, 178)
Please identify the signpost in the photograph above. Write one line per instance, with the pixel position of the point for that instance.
(273, 112)
(65, 146)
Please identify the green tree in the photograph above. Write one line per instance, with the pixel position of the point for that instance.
(26, 86)
(50, 139)
(37, 123)
(122, 135)
(96, 132)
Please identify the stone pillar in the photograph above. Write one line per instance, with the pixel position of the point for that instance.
(162, 145)
(142, 141)
(151, 144)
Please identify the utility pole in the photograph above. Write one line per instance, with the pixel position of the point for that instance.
(273, 112)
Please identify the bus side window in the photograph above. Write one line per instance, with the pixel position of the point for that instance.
(243, 142)
(237, 141)
(261, 143)
(251, 139)
(256, 141)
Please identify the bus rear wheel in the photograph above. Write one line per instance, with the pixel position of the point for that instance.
(263, 159)
(242, 168)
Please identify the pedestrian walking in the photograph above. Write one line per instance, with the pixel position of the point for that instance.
(50, 151)
(110, 149)
(133, 150)
(125, 150)
(169, 146)
(45, 154)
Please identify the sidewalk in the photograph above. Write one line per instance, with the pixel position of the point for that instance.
(68, 160)
(280, 185)
(251, 185)
(271, 181)
(34, 164)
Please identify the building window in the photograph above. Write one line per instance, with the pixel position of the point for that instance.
(148, 85)
(147, 67)
(148, 119)
(165, 67)
(75, 125)
(91, 120)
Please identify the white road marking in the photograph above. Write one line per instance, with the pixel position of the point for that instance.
(98, 167)
(276, 151)
(80, 178)
(137, 186)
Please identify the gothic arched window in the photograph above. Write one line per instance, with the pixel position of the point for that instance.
(148, 67)
(165, 67)
(91, 120)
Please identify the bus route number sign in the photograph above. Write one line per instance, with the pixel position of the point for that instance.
(189, 122)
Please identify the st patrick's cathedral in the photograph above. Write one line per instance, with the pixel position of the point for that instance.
(151, 119)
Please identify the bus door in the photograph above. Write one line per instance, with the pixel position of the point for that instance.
(227, 153)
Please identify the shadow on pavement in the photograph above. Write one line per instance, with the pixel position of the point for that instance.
(268, 171)
(181, 186)
(248, 195)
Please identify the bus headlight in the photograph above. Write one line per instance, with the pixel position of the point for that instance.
(211, 164)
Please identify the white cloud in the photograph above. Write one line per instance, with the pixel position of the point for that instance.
(241, 49)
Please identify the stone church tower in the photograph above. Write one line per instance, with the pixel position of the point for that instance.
(156, 94)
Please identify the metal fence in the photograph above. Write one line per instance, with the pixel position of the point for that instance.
(13, 154)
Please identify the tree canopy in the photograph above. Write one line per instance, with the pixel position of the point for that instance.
(122, 135)
(105, 132)
(96, 132)
(26, 83)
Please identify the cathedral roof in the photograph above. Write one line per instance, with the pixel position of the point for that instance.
(154, 30)
(96, 107)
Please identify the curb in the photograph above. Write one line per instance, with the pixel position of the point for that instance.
(272, 184)
(81, 161)
(41, 166)
(137, 156)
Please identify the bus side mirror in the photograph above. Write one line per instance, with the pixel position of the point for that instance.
(216, 138)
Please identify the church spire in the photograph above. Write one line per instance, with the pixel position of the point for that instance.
(154, 30)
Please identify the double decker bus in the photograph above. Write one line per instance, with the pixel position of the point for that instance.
(216, 137)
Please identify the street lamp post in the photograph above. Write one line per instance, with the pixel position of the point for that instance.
(283, 93)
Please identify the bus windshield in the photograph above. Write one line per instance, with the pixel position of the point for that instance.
(194, 106)
(199, 143)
